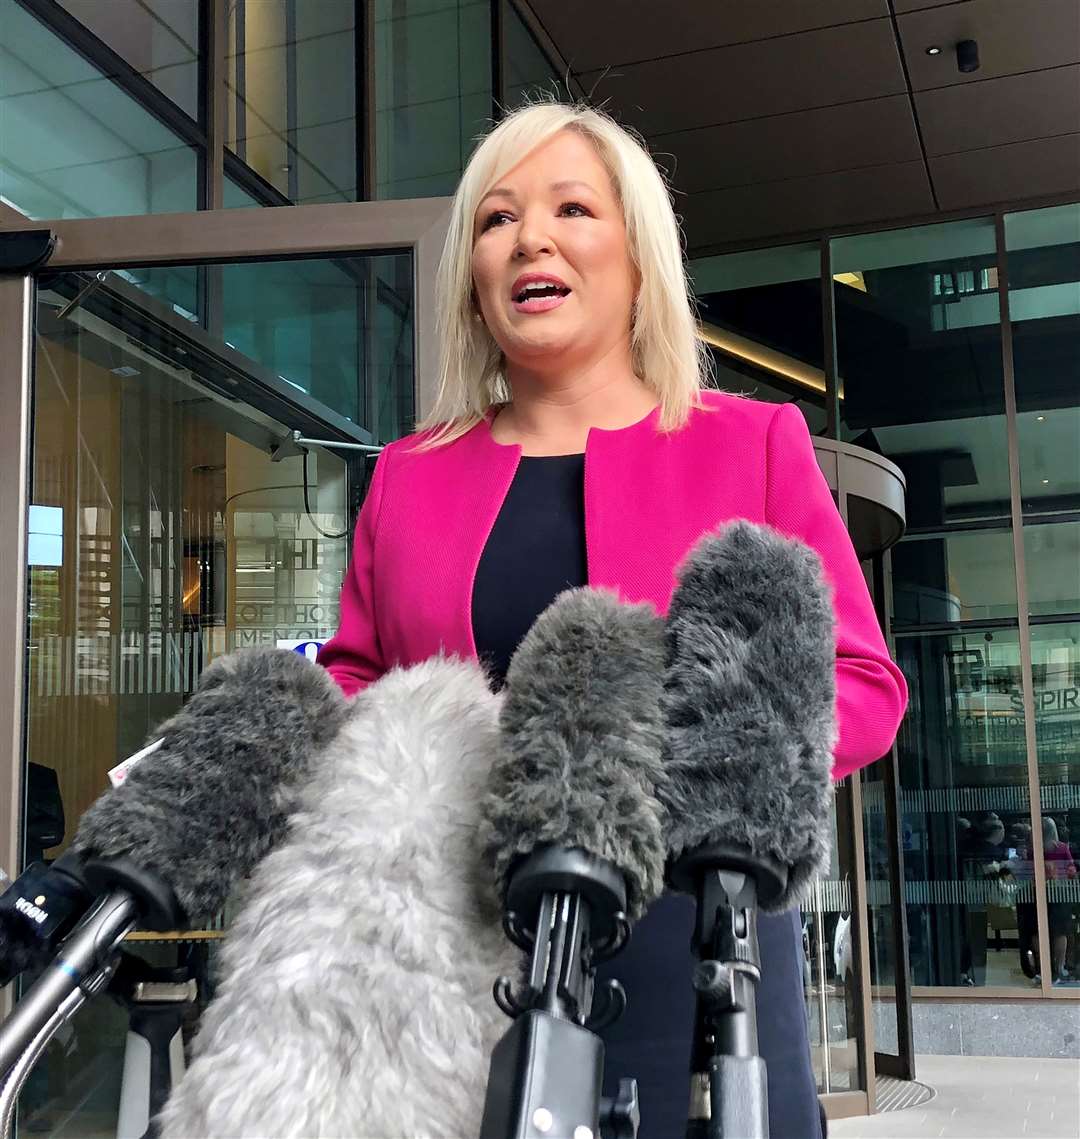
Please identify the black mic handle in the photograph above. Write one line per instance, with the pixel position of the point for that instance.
(728, 1087)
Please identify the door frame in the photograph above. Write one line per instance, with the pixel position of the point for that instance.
(207, 237)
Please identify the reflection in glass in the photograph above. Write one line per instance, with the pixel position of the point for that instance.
(1055, 658)
(1052, 556)
(830, 966)
(529, 75)
(965, 813)
(919, 357)
(760, 313)
(235, 197)
(291, 106)
(432, 92)
(73, 144)
(158, 38)
(339, 330)
(882, 936)
(1044, 307)
(180, 538)
(961, 576)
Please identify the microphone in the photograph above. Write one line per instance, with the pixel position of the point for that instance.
(574, 831)
(190, 820)
(354, 992)
(749, 703)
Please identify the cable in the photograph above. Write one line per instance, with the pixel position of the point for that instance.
(307, 509)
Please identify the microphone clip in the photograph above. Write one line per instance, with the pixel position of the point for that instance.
(567, 909)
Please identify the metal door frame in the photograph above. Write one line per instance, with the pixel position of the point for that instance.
(201, 238)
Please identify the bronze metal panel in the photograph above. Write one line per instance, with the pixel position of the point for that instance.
(604, 32)
(1008, 173)
(1015, 108)
(806, 204)
(767, 77)
(873, 132)
(1014, 36)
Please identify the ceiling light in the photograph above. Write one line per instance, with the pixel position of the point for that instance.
(1046, 482)
(934, 50)
(1040, 418)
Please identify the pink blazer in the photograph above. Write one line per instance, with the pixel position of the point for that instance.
(648, 498)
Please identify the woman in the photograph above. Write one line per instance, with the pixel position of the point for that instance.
(1060, 867)
(572, 442)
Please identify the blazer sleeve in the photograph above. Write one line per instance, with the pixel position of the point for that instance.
(353, 656)
(871, 694)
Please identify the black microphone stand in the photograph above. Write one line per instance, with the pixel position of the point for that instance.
(566, 909)
(728, 1084)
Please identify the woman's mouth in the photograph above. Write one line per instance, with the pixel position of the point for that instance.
(538, 294)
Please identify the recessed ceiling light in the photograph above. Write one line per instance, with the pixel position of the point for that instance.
(1040, 418)
(935, 50)
(1046, 482)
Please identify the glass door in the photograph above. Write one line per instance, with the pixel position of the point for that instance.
(207, 401)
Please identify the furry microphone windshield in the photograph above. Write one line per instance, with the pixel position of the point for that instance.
(201, 811)
(355, 993)
(582, 739)
(749, 703)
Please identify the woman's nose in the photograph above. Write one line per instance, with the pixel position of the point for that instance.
(533, 240)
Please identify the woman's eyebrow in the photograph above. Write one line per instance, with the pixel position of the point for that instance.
(571, 184)
(556, 187)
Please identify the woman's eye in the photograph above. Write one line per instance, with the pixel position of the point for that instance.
(498, 217)
(573, 210)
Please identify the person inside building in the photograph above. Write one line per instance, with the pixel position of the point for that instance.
(573, 441)
(1060, 868)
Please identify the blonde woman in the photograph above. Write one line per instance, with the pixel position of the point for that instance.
(574, 442)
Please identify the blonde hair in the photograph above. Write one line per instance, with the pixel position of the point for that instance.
(668, 355)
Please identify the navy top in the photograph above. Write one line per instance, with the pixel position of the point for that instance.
(536, 549)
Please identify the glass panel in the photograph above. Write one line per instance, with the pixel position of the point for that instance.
(159, 38)
(965, 575)
(760, 313)
(1044, 306)
(72, 143)
(965, 813)
(235, 197)
(919, 356)
(528, 72)
(324, 325)
(830, 975)
(1055, 658)
(170, 535)
(881, 931)
(1052, 557)
(291, 106)
(432, 92)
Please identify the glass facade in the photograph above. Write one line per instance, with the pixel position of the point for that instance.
(432, 92)
(167, 534)
(1043, 257)
(923, 376)
(291, 95)
(761, 315)
(159, 39)
(73, 143)
(162, 532)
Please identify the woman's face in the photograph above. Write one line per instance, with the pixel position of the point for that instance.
(552, 272)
